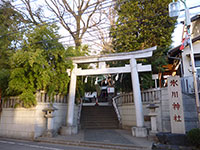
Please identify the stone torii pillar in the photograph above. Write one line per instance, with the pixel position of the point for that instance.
(70, 127)
(140, 130)
(137, 93)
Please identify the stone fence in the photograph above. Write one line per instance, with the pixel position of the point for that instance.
(148, 96)
(41, 96)
(151, 95)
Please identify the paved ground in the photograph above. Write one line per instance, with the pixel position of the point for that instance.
(103, 138)
(11, 144)
(100, 139)
(114, 136)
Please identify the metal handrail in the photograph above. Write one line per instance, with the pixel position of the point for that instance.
(114, 101)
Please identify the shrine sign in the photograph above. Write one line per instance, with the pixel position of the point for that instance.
(176, 105)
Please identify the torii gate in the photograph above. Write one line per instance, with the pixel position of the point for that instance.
(133, 68)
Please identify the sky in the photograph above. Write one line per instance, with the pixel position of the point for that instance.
(177, 35)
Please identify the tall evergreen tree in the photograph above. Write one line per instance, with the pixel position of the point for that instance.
(142, 24)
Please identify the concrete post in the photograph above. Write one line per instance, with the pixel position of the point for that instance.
(71, 100)
(137, 93)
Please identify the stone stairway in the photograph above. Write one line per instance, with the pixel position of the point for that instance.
(99, 117)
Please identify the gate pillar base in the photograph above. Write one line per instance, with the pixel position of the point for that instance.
(68, 130)
(139, 131)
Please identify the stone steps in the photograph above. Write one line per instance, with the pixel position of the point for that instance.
(99, 117)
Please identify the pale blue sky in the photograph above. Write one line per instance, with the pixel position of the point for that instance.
(177, 35)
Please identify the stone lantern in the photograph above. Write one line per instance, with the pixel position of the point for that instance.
(49, 116)
(153, 114)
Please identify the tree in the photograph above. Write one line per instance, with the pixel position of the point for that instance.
(10, 22)
(74, 16)
(39, 65)
(142, 24)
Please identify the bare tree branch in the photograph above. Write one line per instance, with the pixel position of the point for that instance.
(80, 12)
(83, 23)
(57, 12)
(105, 41)
(33, 17)
(86, 25)
(68, 8)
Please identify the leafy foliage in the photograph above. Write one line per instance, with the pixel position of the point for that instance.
(194, 137)
(159, 59)
(142, 24)
(80, 51)
(40, 65)
(146, 81)
(4, 77)
(10, 21)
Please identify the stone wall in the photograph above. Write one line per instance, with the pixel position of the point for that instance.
(19, 122)
(128, 115)
(40, 121)
(127, 112)
(190, 112)
(30, 123)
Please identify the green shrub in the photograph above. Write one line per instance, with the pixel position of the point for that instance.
(193, 137)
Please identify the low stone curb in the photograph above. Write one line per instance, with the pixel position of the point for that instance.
(91, 144)
(171, 147)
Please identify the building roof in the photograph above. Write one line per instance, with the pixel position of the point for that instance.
(196, 17)
(176, 50)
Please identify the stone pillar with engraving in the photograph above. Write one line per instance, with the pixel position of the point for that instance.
(176, 105)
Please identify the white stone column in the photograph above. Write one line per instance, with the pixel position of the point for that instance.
(102, 65)
(71, 98)
(137, 93)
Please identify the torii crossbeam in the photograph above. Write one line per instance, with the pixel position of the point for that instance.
(133, 68)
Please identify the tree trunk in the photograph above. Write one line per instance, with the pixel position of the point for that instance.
(0, 102)
(77, 42)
